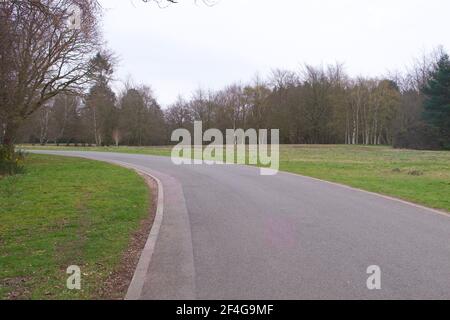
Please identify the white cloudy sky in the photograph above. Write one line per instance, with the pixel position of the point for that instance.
(186, 46)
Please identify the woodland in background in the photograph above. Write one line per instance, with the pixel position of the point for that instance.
(56, 87)
(316, 105)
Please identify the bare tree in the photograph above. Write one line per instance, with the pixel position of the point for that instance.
(41, 56)
(116, 136)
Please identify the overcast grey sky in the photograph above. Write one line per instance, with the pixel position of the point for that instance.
(186, 46)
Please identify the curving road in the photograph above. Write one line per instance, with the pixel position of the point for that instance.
(229, 233)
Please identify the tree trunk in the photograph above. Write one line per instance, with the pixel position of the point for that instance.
(96, 135)
(9, 138)
(44, 126)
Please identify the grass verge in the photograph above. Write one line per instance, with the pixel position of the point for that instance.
(67, 211)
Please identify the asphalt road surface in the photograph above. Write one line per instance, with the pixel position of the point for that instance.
(229, 233)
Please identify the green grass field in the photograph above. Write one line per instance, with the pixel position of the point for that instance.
(422, 177)
(419, 176)
(66, 211)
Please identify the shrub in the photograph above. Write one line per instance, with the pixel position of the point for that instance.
(11, 161)
(419, 136)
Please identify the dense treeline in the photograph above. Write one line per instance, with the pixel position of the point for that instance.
(318, 105)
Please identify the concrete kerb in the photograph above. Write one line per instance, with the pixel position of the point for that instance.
(137, 283)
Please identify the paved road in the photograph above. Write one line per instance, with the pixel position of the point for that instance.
(229, 233)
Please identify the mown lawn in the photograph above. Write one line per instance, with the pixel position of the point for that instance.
(419, 176)
(61, 212)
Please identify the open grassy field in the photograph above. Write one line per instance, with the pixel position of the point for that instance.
(61, 212)
(419, 176)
